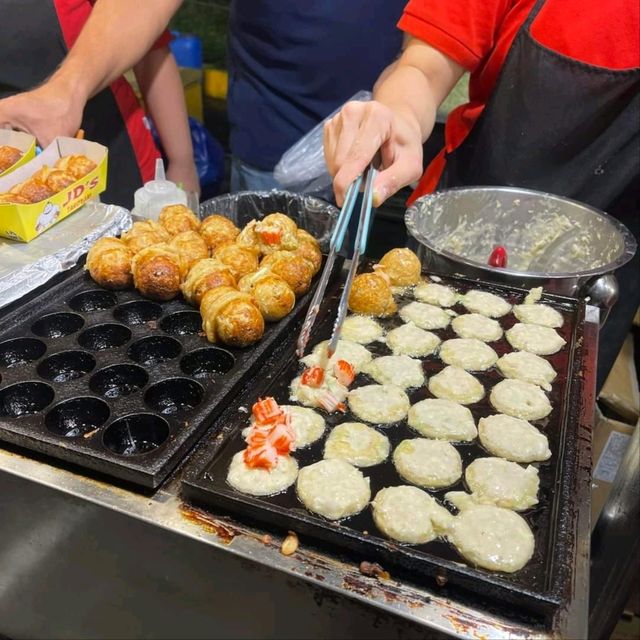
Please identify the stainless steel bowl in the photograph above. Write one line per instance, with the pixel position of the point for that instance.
(562, 245)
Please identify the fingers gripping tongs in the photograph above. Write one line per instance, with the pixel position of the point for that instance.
(335, 244)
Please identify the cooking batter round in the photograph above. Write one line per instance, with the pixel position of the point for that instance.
(522, 365)
(442, 419)
(520, 400)
(513, 439)
(402, 371)
(428, 463)
(262, 482)
(307, 424)
(475, 325)
(433, 293)
(456, 384)
(541, 314)
(486, 303)
(412, 341)
(542, 341)
(467, 353)
(425, 316)
(352, 352)
(361, 329)
(312, 396)
(333, 489)
(379, 403)
(358, 444)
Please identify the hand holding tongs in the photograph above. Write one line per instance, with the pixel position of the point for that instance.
(335, 244)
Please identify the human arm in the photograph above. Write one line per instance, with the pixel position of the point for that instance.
(159, 81)
(116, 35)
(397, 122)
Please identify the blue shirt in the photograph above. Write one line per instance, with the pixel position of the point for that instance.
(293, 62)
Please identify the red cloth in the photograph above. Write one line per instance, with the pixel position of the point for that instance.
(477, 34)
(73, 15)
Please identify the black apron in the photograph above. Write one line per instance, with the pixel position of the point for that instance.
(32, 46)
(563, 126)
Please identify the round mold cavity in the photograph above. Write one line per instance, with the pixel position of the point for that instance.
(175, 395)
(154, 349)
(77, 417)
(66, 366)
(182, 323)
(95, 300)
(19, 351)
(57, 325)
(118, 380)
(138, 312)
(104, 336)
(136, 434)
(208, 362)
(25, 398)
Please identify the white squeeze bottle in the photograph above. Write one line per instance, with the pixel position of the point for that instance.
(156, 194)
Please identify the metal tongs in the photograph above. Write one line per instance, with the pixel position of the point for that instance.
(335, 244)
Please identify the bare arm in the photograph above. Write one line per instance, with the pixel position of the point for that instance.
(116, 35)
(159, 80)
(396, 122)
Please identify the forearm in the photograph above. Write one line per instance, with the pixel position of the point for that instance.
(159, 80)
(116, 35)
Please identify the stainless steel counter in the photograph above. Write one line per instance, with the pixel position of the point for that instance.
(80, 558)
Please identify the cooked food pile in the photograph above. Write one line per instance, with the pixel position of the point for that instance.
(239, 279)
(382, 388)
(47, 181)
(8, 156)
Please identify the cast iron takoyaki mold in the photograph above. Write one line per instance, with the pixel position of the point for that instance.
(541, 586)
(115, 383)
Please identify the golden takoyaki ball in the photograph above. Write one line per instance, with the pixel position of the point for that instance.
(293, 269)
(77, 166)
(33, 191)
(248, 238)
(309, 249)
(55, 179)
(145, 234)
(402, 266)
(217, 230)
(276, 232)
(240, 260)
(109, 263)
(191, 247)
(176, 218)
(231, 317)
(156, 272)
(12, 198)
(204, 275)
(274, 297)
(8, 157)
(371, 295)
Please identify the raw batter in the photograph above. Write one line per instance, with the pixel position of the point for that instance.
(475, 325)
(361, 329)
(433, 293)
(428, 463)
(542, 341)
(379, 403)
(468, 353)
(522, 365)
(358, 444)
(520, 400)
(486, 303)
(442, 419)
(456, 384)
(412, 341)
(262, 482)
(513, 439)
(402, 371)
(425, 316)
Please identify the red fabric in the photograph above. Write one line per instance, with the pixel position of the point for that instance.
(73, 15)
(478, 34)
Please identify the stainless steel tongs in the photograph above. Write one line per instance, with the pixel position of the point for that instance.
(335, 244)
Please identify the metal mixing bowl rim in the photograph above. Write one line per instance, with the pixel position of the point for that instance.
(630, 244)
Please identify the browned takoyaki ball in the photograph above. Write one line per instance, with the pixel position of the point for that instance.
(293, 269)
(177, 218)
(309, 249)
(55, 179)
(276, 232)
(191, 247)
(12, 198)
(156, 272)
(240, 260)
(274, 297)
(33, 191)
(402, 266)
(204, 275)
(231, 317)
(248, 238)
(144, 234)
(109, 263)
(217, 230)
(8, 157)
(371, 295)
(77, 166)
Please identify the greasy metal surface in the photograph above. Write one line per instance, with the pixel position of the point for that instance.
(542, 586)
(122, 532)
(163, 376)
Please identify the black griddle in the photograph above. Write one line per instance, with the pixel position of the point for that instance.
(115, 383)
(541, 587)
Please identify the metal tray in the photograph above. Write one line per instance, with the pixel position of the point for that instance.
(115, 383)
(538, 589)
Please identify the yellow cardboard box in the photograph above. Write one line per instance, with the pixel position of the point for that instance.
(24, 222)
(23, 141)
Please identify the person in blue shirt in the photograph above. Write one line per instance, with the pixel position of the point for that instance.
(291, 64)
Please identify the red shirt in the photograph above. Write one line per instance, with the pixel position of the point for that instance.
(477, 34)
(72, 15)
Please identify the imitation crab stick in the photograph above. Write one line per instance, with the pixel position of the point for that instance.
(313, 377)
(344, 372)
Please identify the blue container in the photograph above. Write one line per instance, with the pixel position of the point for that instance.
(187, 50)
